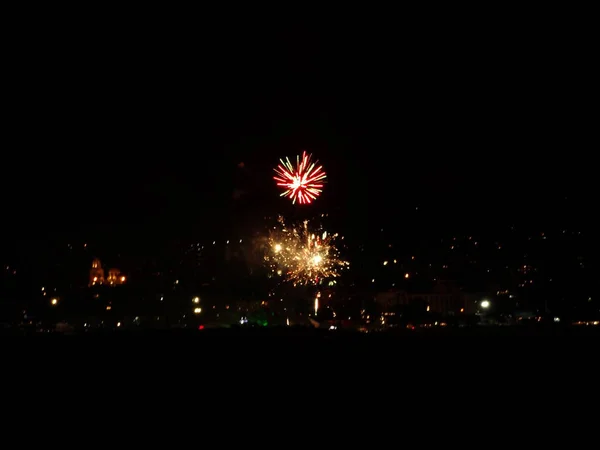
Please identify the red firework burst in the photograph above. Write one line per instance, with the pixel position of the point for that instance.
(303, 183)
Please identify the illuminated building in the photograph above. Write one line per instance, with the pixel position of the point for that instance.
(97, 275)
(444, 298)
(115, 277)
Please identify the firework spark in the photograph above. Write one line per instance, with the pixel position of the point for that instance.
(303, 183)
(303, 256)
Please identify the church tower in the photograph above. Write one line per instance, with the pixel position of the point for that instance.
(96, 273)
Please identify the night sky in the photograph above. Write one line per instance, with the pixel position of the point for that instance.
(126, 135)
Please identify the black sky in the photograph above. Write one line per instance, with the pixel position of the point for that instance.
(142, 133)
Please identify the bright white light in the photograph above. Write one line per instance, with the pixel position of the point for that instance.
(485, 304)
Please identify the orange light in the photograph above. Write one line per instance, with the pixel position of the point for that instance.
(122, 279)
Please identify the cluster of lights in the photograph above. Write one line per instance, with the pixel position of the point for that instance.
(112, 279)
(196, 302)
(303, 256)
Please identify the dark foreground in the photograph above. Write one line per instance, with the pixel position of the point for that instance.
(288, 341)
(263, 364)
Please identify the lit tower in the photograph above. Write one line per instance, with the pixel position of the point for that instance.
(115, 277)
(96, 273)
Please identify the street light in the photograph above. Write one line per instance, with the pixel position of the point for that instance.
(485, 305)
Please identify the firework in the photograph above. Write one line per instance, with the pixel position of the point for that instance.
(303, 183)
(303, 256)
